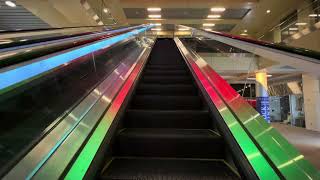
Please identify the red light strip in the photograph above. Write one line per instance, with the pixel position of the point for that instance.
(83, 161)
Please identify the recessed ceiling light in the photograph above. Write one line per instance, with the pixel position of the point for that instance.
(207, 29)
(245, 30)
(154, 16)
(208, 24)
(293, 29)
(268, 11)
(105, 10)
(244, 34)
(154, 9)
(156, 29)
(301, 24)
(183, 29)
(218, 9)
(95, 17)
(313, 15)
(10, 3)
(214, 16)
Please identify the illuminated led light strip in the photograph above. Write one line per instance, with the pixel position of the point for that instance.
(83, 161)
(14, 76)
(286, 159)
(254, 156)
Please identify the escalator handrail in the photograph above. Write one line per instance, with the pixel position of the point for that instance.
(287, 162)
(20, 169)
(25, 53)
(315, 55)
(47, 29)
(50, 38)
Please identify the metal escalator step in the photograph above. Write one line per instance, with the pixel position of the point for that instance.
(167, 79)
(166, 72)
(185, 119)
(178, 143)
(166, 102)
(166, 67)
(166, 89)
(167, 169)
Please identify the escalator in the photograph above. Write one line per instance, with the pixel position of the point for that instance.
(136, 107)
(167, 131)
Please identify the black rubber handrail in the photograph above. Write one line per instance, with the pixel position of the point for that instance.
(50, 38)
(295, 50)
(47, 29)
(45, 50)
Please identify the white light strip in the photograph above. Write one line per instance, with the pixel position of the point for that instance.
(156, 29)
(293, 29)
(301, 24)
(154, 16)
(214, 16)
(218, 9)
(154, 9)
(208, 24)
(183, 29)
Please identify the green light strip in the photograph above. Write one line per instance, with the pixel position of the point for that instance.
(83, 161)
(254, 156)
(258, 162)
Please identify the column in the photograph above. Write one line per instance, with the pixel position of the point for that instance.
(311, 96)
(262, 95)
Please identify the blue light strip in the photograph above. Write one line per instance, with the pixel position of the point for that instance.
(19, 74)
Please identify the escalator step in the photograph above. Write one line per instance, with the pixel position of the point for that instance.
(167, 119)
(166, 67)
(166, 89)
(167, 79)
(179, 143)
(168, 72)
(166, 102)
(167, 169)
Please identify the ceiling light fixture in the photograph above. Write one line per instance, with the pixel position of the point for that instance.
(313, 15)
(244, 34)
(10, 4)
(183, 29)
(156, 29)
(245, 30)
(268, 11)
(301, 24)
(154, 16)
(218, 9)
(154, 9)
(105, 10)
(293, 29)
(208, 24)
(95, 17)
(214, 16)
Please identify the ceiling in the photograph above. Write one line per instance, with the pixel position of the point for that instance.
(240, 15)
(18, 18)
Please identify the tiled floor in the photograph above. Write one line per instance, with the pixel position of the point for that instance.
(306, 141)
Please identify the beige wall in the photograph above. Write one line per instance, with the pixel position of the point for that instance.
(309, 41)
